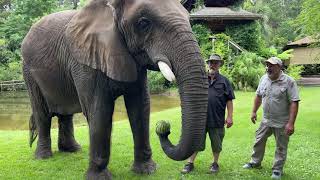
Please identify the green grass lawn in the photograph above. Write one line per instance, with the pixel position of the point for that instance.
(17, 159)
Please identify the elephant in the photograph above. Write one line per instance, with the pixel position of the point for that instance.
(83, 60)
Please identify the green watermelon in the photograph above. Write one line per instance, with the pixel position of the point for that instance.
(162, 127)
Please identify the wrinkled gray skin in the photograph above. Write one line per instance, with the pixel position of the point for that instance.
(81, 61)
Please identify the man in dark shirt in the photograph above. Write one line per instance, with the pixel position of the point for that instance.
(220, 96)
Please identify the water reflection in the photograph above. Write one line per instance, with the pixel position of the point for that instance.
(15, 109)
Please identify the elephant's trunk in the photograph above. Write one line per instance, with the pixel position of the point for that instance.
(193, 88)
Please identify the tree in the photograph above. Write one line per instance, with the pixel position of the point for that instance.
(277, 15)
(16, 18)
(308, 21)
(24, 13)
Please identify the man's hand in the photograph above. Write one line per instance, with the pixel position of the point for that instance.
(229, 122)
(289, 129)
(253, 117)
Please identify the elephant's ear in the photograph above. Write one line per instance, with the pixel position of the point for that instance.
(96, 42)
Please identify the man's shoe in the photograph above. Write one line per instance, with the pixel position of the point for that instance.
(252, 165)
(276, 175)
(187, 168)
(214, 167)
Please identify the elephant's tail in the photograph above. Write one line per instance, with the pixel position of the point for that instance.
(33, 130)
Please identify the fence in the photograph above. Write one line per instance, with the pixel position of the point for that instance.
(12, 85)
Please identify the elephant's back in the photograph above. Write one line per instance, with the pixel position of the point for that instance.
(44, 37)
(42, 54)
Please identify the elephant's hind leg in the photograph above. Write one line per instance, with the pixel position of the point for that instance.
(43, 150)
(40, 120)
(66, 140)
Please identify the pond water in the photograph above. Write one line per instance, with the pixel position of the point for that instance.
(15, 109)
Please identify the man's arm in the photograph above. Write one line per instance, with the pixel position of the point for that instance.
(256, 105)
(229, 120)
(289, 128)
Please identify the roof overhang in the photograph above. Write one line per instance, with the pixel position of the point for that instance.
(304, 42)
(222, 13)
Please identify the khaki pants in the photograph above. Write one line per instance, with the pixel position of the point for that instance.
(282, 141)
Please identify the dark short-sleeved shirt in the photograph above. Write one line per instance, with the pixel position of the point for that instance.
(219, 92)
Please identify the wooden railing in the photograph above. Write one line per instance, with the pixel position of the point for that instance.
(12, 85)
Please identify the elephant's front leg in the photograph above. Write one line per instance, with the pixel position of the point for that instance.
(138, 109)
(100, 125)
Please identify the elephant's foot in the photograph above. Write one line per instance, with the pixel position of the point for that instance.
(68, 146)
(43, 151)
(94, 175)
(148, 167)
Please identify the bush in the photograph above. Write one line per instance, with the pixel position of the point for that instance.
(11, 72)
(246, 71)
(247, 35)
(203, 34)
(221, 46)
(311, 69)
(294, 71)
(6, 56)
(156, 82)
(268, 52)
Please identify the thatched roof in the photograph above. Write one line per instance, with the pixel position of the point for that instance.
(300, 43)
(223, 13)
(304, 41)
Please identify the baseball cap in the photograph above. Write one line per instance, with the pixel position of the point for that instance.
(274, 60)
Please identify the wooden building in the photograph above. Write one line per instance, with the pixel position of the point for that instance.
(217, 18)
(304, 52)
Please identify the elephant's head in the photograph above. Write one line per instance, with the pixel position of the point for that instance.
(120, 36)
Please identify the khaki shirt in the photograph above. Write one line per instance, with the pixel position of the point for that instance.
(276, 98)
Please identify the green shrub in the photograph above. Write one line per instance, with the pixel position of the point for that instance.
(247, 35)
(5, 55)
(11, 72)
(285, 55)
(268, 52)
(156, 82)
(203, 34)
(246, 71)
(311, 69)
(221, 46)
(294, 71)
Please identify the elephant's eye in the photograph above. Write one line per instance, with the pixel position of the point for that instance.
(144, 24)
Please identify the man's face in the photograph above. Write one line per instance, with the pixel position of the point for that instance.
(214, 66)
(273, 70)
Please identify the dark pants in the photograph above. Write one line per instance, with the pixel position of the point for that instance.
(216, 136)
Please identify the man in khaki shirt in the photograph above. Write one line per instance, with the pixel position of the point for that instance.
(279, 96)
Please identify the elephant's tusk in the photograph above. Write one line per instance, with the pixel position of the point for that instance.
(166, 71)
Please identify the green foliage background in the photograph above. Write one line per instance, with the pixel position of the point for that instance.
(308, 21)
(283, 21)
(248, 35)
(14, 25)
